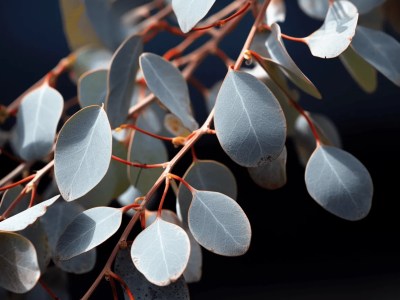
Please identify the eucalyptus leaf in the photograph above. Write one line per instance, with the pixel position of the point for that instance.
(121, 80)
(361, 71)
(271, 176)
(249, 121)
(18, 263)
(76, 25)
(365, 6)
(106, 23)
(127, 198)
(88, 230)
(89, 58)
(114, 183)
(190, 12)
(219, 224)
(314, 8)
(169, 86)
(37, 119)
(141, 288)
(380, 50)
(169, 256)
(145, 149)
(166, 215)
(27, 217)
(281, 58)
(59, 215)
(92, 87)
(276, 12)
(207, 175)
(337, 31)
(194, 268)
(304, 140)
(38, 237)
(339, 182)
(83, 152)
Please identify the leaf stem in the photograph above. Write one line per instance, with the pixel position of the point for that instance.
(10, 186)
(164, 138)
(252, 32)
(287, 37)
(48, 290)
(164, 195)
(137, 165)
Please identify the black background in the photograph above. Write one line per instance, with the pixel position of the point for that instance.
(298, 250)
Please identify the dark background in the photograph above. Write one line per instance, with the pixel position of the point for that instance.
(298, 250)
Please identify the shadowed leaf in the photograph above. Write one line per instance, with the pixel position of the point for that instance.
(92, 87)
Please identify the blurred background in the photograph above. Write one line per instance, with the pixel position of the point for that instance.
(298, 250)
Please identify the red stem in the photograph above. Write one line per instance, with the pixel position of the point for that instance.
(137, 165)
(287, 37)
(180, 179)
(29, 178)
(33, 196)
(123, 283)
(166, 188)
(48, 290)
(164, 138)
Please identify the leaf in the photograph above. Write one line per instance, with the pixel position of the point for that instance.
(314, 8)
(170, 249)
(271, 176)
(141, 288)
(106, 23)
(9, 196)
(27, 217)
(114, 183)
(249, 121)
(380, 50)
(339, 182)
(18, 263)
(145, 149)
(304, 140)
(88, 230)
(54, 223)
(276, 12)
(169, 86)
(190, 12)
(76, 26)
(365, 6)
(121, 80)
(335, 35)
(128, 197)
(37, 119)
(361, 71)
(166, 215)
(281, 58)
(89, 58)
(194, 268)
(219, 224)
(205, 175)
(38, 237)
(92, 87)
(83, 152)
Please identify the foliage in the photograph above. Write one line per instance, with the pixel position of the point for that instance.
(133, 120)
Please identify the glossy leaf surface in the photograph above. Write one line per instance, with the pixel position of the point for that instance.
(281, 58)
(206, 175)
(380, 50)
(335, 35)
(170, 252)
(88, 230)
(190, 12)
(121, 80)
(143, 289)
(25, 218)
(272, 175)
(18, 263)
(83, 152)
(219, 224)
(37, 120)
(92, 88)
(339, 182)
(361, 71)
(249, 121)
(169, 86)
